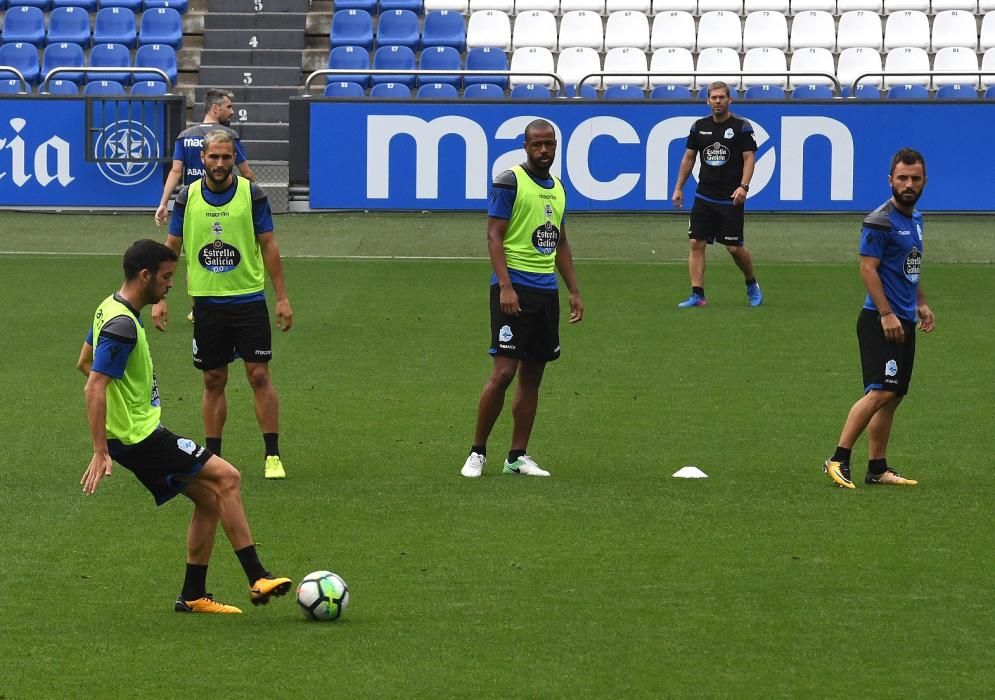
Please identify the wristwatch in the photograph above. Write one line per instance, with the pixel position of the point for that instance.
(746, 188)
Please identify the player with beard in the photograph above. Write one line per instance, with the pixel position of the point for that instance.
(890, 259)
(224, 226)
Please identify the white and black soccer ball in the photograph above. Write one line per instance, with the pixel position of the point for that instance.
(322, 596)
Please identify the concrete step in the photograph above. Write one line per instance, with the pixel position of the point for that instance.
(265, 112)
(273, 58)
(264, 132)
(244, 95)
(266, 150)
(250, 75)
(255, 20)
(255, 39)
(258, 5)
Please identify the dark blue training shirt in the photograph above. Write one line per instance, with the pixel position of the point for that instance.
(896, 240)
(190, 143)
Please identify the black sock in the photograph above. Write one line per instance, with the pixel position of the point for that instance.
(877, 466)
(249, 560)
(750, 282)
(842, 454)
(479, 449)
(515, 455)
(700, 291)
(195, 582)
(214, 445)
(272, 441)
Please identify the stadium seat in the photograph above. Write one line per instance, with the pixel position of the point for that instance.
(369, 6)
(398, 28)
(671, 92)
(806, 64)
(62, 87)
(813, 29)
(855, 62)
(441, 58)
(627, 30)
(712, 64)
(415, 6)
(990, 93)
(908, 92)
(460, 6)
(107, 88)
(552, 6)
(626, 60)
(505, 6)
(89, 5)
(581, 28)
(587, 92)
(178, 5)
(906, 59)
(906, 28)
(957, 92)
(987, 40)
(532, 59)
(673, 61)
(13, 86)
(859, 29)
(674, 29)
(110, 56)
(642, 6)
(955, 58)
(703, 91)
(875, 6)
(764, 92)
(770, 61)
(765, 29)
(343, 88)
(43, 5)
(24, 25)
(134, 5)
(163, 25)
(720, 29)
(115, 25)
(444, 28)
(812, 92)
(489, 28)
(781, 6)
(483, 91)
(400, 58)
(158, 56)
(661, 6)
(486, 58)
(801, 6)
(349, 58)
(954, 28)
(149, 88)
(70, 25)
(352, 28)
(988, 64)
(574, 63)
(23, 57)
(530, 91)
(733, 6)
(937, 6)
(391, 91)
(864, 92)
(624, 92)
(596, 6)
(891, 6)
(536, 28)
(63, 55)
(437, 91)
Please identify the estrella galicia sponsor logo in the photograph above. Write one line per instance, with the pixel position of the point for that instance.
(715, 155)
(127, 152)
(505, 335)
(913, 261)
(545, 238)
(890, 368)
(188, 446)
(728, 134)
(219, 256)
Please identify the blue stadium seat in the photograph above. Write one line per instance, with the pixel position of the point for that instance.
(156, 56)
(908, 92)
(587, 92)
(63, 55)
(956, 92)
(115, 25)
(349, 57)
(62, 87)
(764, 92)
(12, 86)
(149, 88)
(43, 5)
(393, 91)
(990, 93)
(107, 88)
(163, 25)
(530, 91)
(178, 5)
(483, 91)
(394, 58)
(344, 88)
(437, 91)
(23, 57)
(110, 56)
(352, 28)
(864, 92)
(440, 58)
(134, 5)
(88, 5)
(812, 92)
(416, 6)
(68, 25)
(486, 58)
(703, 92)
(23, 24)
(671, 92)
(444, 28)
(398, 28)
(624, 92)
(364, 5)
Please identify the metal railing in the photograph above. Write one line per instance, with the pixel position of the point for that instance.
(930, 74)
(19, 74)
(43, 88)
(695, 74)
(417, 71)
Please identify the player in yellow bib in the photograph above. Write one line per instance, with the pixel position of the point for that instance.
(122, 407)
(527, 242)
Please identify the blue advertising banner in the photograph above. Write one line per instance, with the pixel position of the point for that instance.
(43, 159)
(624, 157)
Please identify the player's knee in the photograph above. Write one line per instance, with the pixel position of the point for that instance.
(230, 480)
(503, 376)
(258, 376)
(215, 381)
(879, 398)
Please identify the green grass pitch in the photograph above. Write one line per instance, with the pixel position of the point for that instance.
(611, 579)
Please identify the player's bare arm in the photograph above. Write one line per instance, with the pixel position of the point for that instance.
(927, 321)
(683, 172)
(274, 268)
(749, 163)
(892, 327)
(95, 393)
(160, 310)
(172, 180)
(565, 266)
(496, 230)
(245, 170)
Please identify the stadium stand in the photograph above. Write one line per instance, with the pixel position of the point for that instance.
(483, 91)
(906, 59)
(344, 89)
(733, 6)
(158, 56)
(459, 6)
(987, 39)
(444, 28)
(891, 6)
(43, 5)
(107, 88)
(856, 61)
(400, 58)
(906, 28)
(712, 64)
(69, 25)
(859, 29)
(352, 58)
(624, 92)
(486, 58)
(441, 58)
(812, 92)
(110, 56)
(415, 6)
(813, 29)
(163, 25)
(674, 29)
(807, 62)
(574, 63)
(63, 55)
(437, 91)
(670, 92)
(764, 92)
(951, 59)
(720, 29)
(135, 6)
(11, 86)
(772, 61)
(23, 24)
(596, 6)
(352, 28)
(151, 88)
(489, 28)
(640, 6)
(956, 92)
(62, 87)
(587, 92)
(581, 29)
(626, 60)
(90, 6)
(908, 92)
(552, 6)
(781, 6)
(535, 28)
(530, 91)
(672, 60)
(368, 6)
(988, 64)
(399, 28)
(391, 91)
(626, 29)
(532, 59)
(115, 25)
(954, 28)
(765, 29)
(178, 5)
(23, 57)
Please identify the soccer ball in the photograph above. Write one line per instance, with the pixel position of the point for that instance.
(322, 596)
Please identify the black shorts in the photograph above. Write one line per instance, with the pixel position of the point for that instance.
(532, 335)
(712, 222)
(224, 332)
(886, 365)
(161, 461)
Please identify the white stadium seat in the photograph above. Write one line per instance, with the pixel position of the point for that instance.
(460, 6)
(574, 63)
(585, 5)
(630, 5)
(718, 64)
(673, 29)
(938, 6)
(627, 29)
(954, 58)
(988, 63)
(532, 58)
(672, 60)
(506, 6)
(859, 29)
(735, 6)
(813, 29)
(875, 6)
(626, 60)
(781, 6)
(536, 28)
(800, 6)
(954, 28)
(765, 29)
(764, 60)
(906, 28)
(552, 6)
(489, 28)
(902, 5)
(582, 28)
(806, 62)
(988, 31)
(720, 29)
(855, 62)
(907, 58)
(690, 6)
(985, 6)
